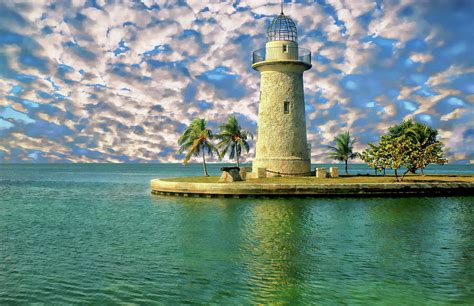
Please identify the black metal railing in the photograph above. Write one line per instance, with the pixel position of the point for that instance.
(278, 53)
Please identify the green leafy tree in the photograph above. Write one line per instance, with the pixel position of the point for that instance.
(374, 157)
(410, 145)
(390, 153)
(232, 139)
(428, 149)
(343, 150)
(398, 153)
(196, 139)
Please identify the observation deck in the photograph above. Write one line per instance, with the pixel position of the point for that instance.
(281, 54)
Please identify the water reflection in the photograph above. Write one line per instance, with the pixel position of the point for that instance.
(273, 250)
(206, 257)
(254, 246)
(324, 250)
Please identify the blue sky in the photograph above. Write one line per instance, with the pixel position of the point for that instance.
(93, 81)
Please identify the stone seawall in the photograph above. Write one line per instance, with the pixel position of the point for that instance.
(239, 189)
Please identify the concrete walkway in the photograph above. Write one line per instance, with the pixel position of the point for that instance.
(238, 189)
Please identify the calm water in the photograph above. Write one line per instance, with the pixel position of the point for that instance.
(94, 234)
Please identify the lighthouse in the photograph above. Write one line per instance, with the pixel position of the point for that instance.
(282, 147)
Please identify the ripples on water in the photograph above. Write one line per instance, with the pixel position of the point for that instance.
(94, 234)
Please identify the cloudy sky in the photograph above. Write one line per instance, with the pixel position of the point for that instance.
(104, 81)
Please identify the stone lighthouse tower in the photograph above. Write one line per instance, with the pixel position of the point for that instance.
(282, 146)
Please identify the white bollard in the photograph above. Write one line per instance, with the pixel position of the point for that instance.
(261, 172)
(334, 172)
(320, 172)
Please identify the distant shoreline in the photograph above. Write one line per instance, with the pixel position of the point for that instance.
(190, 163)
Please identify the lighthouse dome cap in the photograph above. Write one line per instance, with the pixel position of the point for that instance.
(282, 28)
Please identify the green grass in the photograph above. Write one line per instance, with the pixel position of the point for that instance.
(193, 179)
(309, 180)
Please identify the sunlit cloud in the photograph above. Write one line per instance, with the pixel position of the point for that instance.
(92, 81)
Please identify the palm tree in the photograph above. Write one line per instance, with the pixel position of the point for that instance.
(232, 138)
(343, 150)
(196, 139)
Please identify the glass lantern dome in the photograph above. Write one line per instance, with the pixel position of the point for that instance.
(282, 28)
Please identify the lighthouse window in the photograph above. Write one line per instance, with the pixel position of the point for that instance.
(286, 107)
(285, 48)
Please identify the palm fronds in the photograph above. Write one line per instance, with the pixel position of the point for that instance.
(196, 140)
(232, 139)
(343, 148)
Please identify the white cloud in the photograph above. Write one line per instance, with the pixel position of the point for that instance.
(218, 34)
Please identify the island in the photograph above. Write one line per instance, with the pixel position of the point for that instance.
(282, 164)
(310, 186)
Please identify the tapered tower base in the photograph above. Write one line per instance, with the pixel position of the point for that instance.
(283, 166)
(282, 147)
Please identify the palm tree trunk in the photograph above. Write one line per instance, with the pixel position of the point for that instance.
(346, 166)
(421, 171)
(237, 156)
(204, 163)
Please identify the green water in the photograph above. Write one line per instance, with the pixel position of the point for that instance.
(94, 234)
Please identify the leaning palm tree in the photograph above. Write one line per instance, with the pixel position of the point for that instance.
(196, 140)
(232, 138)
(343, 150)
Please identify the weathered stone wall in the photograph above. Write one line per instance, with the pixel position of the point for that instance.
(317, 189)
(281, 141)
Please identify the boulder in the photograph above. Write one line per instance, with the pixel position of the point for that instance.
(229, 176)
